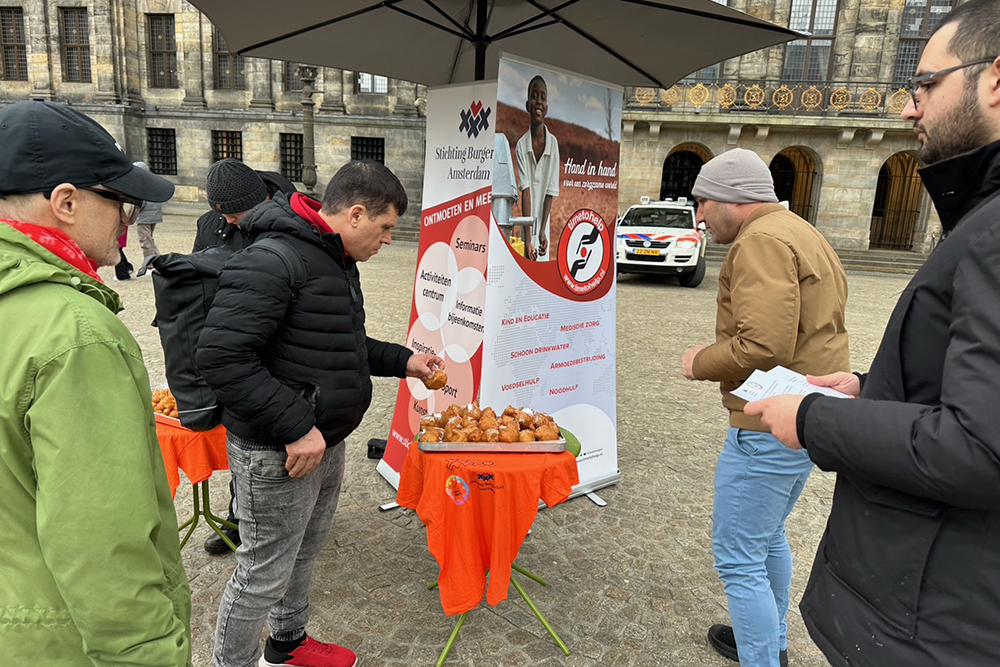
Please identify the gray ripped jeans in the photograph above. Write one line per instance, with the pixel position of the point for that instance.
(284, 522)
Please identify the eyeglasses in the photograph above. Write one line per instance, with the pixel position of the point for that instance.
(924, 81)
(130, 207)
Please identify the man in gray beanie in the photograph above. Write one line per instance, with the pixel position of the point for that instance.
(782, 293)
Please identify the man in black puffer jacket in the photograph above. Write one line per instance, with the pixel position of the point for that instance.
(906, 572)
(292, 366)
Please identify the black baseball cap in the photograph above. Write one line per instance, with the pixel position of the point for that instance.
(44, 144)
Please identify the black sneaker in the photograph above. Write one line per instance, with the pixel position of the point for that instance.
(215, 545)
(723, 640)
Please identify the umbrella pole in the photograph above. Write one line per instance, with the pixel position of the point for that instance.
(480, 43)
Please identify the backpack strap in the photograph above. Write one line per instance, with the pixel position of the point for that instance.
(292, 260)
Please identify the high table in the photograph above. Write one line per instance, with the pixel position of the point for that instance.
(478, 508)
(198, 454)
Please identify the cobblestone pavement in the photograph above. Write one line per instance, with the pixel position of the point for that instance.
(631, 584)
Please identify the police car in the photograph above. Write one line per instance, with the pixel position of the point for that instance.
(661, 237)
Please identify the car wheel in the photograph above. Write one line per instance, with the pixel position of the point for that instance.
(694, 278)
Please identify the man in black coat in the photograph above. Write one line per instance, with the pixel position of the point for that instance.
(291, 364)
(906, 573)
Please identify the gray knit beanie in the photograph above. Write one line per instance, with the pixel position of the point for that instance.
(738, 176)
(233, 187)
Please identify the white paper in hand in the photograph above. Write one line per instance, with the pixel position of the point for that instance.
(779, 380)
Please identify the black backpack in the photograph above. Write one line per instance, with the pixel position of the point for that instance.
(184, 287)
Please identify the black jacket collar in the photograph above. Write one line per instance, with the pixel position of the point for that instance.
(276, 217)
(960, 183)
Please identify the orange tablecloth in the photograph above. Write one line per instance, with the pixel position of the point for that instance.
(197, 453)
(478, 508)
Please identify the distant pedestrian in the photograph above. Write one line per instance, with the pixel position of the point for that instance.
(150, 216)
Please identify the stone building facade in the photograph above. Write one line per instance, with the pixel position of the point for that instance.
(822, 111)
(158, 76)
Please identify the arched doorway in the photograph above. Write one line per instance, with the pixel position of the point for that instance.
(680, 169)
(897, 204)
(794, 173)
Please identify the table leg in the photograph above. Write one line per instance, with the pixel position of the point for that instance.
(538, 614)
(202, 508)
(451, 640)
(191, 523)
(214, 522)
(529, 575)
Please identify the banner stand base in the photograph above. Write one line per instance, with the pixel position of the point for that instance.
(388, 506)
(597, 500)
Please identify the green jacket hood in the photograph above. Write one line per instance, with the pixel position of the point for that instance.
(24, 262)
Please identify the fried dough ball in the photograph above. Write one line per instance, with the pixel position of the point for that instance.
(510, 411)
(525, 418)
(487, 422)
(488, 412)
(469, 422)
(542, 418)
(547, 431)
(472, 410)
(508, 420)
(474, 434)
(428, 422)
(456, 435)
(527, 435)
(433, 434)
(437, 380)
(508, 433)
(491, 435)
(452, 411)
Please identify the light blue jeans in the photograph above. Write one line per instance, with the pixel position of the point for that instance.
(284, 522)
(757, 482)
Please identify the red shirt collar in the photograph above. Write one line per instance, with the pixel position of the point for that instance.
(59, 244)
(308, 208)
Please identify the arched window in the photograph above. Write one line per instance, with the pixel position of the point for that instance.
(897, 204)
(794, 173)
(680, 169)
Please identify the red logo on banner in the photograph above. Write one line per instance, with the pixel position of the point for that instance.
(585, 252)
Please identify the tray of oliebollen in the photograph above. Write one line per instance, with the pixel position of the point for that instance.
(539, 446)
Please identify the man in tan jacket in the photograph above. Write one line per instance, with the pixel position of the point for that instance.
(782, 292)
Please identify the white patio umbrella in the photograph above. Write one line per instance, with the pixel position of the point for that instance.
(436, 42)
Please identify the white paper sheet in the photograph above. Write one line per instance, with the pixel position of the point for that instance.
(780, 380)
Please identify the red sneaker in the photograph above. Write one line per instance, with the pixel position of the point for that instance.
(310, 653)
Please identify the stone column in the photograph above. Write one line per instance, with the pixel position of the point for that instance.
(38, 47)
(406, 98)
(258, 78)
(308, 75)
(102, 48)
(190, 27)
(333, 91)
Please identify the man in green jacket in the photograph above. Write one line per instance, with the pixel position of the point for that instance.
(90, 567)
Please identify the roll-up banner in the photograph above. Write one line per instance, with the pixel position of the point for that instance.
(515, 280)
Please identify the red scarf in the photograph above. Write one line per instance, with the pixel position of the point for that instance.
(59, 244)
